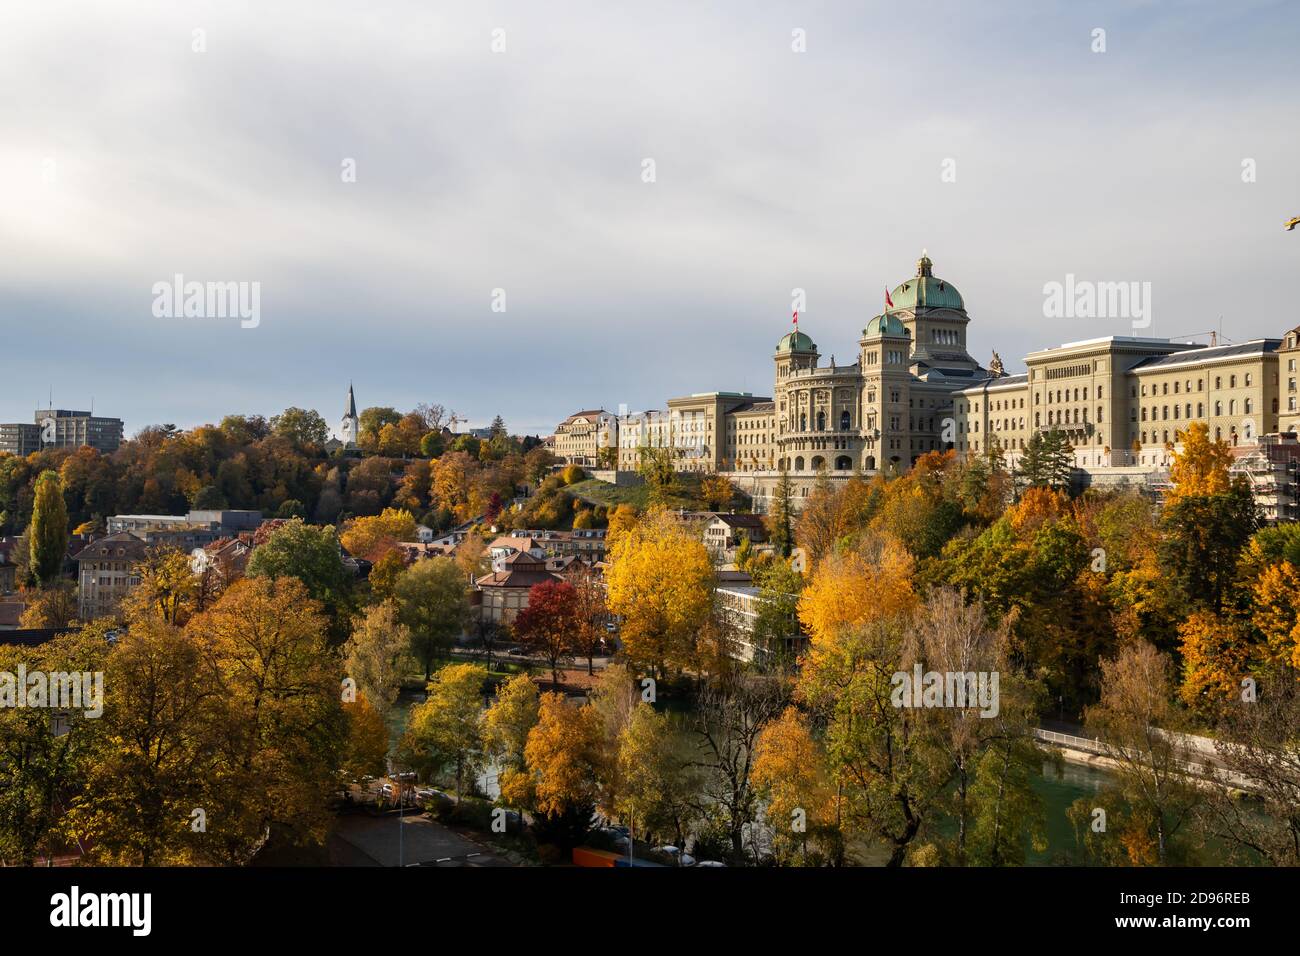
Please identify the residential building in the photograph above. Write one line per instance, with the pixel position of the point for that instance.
(106, 571)
(724, 533)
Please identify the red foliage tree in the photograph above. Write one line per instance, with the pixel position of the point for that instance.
(550, 624)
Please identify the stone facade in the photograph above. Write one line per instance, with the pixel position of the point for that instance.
(580, 437)
(913, 388)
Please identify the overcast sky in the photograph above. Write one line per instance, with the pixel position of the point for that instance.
(127, 157)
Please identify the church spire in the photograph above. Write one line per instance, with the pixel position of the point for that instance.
(352, 403)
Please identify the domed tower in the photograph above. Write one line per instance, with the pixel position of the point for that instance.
(886, 346)
(933, 311)
(796, 356)
(795, 351)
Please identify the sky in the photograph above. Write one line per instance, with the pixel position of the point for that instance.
(994, 136)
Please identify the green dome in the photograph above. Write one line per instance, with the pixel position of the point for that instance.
(925, 291)
(796, 342)
(886, 324)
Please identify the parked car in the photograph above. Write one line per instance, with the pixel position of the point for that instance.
(710, 863)
(427, 796)
(676, 855)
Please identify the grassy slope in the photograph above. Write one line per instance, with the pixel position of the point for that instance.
(603, 493)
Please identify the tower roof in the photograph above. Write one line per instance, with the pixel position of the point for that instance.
(352, 403)
(796, 342)
(926, 291)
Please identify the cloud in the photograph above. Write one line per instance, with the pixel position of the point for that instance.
(521, 171)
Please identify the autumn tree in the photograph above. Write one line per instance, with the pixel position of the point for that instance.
(506, 726)
(47, 535)
(54, 608)
(1215, 652)
(621, 520)
(365, 747)
(1140, 726)
(311, 554)
(39, 768)
(384, 574)
(284, 728)
(591, 614)
(716, 491)
(164, 724)
(563, 760)
(660, 582)
(730, 716)
(658, 792)
(378, 654)
(444, 731)
(889, 791)
(549, 624)
(168, 588)
(791, 775)
(1200, 469)
(368, 537)
(432, 603)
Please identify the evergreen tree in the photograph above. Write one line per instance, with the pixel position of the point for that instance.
(48, 534)
(781, 531)
(1047, 461)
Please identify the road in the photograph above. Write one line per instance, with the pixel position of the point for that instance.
(363, 840)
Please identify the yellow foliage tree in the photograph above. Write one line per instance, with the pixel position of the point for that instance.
(790, 770)
(364, 537)
(1037, 506)
(850, 590)
(1201, 468)
(562, 755)
(660, 583)
(621, 520)
(1215, 657)
(1277, 612)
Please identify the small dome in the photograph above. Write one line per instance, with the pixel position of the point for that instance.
(796, 342)
(887, 324)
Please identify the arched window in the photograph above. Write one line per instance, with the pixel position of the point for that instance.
(803, 421)
(821, 421)
(871, 463)
(843, 463)
(844, 420)
(818, 463)
(798, 463)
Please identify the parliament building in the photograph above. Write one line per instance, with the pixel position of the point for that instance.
(913, 388)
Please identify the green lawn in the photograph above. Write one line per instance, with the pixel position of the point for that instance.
(596, 492)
